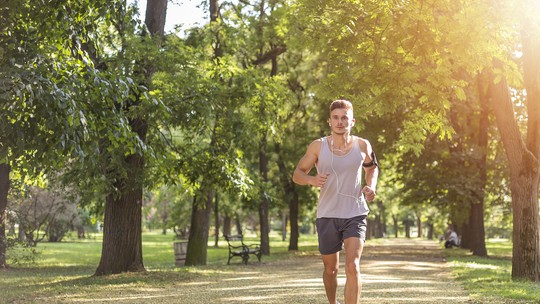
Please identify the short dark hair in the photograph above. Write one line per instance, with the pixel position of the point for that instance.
(341, 104)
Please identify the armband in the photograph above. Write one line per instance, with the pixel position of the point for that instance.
(373, 161)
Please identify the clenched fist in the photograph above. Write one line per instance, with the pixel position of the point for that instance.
(320, 179)
(369, 193)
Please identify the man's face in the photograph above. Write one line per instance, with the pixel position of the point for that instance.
(341, 121)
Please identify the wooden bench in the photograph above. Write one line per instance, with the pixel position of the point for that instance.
(238, 248)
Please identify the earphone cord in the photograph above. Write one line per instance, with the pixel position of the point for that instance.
(337, 176)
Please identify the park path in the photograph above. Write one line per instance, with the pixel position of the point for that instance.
(395, 271)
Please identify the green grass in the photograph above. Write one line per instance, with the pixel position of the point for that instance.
(488, 280)
(66, 268)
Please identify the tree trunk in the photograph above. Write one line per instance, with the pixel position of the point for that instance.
(524, 167)
(419, 224)
(238, 224)
(477, 242)
(430, 230)
(4, 189)
(264, 205)
(201, 216)
(396, 225)
(198, 233)
(284, 222)
(293, 215)
(216, 221)
(407, 229)
(227, 221)
(381, 218)
(122, 240)
(465, 233)
(292, 196)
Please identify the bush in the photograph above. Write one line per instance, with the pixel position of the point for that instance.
(19, 252)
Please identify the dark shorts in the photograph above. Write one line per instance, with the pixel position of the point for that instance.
(332, 232)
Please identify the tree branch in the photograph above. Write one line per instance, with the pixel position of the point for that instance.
(273, 53)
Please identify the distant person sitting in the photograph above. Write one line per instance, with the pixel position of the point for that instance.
(452, 239)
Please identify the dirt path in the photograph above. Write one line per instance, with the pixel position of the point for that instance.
(397, 271)
(408, 271)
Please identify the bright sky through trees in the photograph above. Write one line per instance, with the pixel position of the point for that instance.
(186, 13)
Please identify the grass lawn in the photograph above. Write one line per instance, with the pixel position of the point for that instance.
(488, 280)
(63, 271)
(66, 268)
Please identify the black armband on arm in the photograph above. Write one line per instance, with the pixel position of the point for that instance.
(373, 161)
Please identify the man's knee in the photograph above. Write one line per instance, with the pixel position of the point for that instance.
(352, 268)
(331, 271)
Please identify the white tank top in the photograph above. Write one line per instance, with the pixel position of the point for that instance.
(341, 196)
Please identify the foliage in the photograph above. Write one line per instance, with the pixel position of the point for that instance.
(44, 213)
(169, 208)
(50, 88)
(71, 71)
(21, 253)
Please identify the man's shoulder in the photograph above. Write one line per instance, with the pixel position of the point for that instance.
(364, 143)
(315, 145)
(361, 139)
(317, 141)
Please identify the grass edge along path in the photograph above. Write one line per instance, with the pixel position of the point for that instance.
(489, 279)
(64, 276)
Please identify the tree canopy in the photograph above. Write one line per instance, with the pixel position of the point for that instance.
(213, 122)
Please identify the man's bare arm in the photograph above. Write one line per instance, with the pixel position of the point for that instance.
(301, 173)
(372, 173)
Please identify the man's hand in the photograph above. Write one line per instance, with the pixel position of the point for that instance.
(319, 180)
(369, 193)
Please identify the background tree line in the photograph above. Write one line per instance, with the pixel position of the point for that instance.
(101, 104)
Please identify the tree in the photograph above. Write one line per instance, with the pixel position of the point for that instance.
(523, 155)
(46, 115)
(202, 202)
(122, 241)
(4, 189)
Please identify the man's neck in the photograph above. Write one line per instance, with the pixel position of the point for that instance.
(341, 140)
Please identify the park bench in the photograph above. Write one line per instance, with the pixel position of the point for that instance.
(238, 248)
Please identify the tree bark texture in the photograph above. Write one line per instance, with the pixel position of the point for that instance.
(198, 233)
(238, 224)
(407, 229)
(477, 243)
(524, 171)
(216, 221)
(156, 13)
(419, 224)
(381, 219)
(122, 240)
(264, 204)
(284, 223)
(4, 189)
(227, 224)
(396, 225)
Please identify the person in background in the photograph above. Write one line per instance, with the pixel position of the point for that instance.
(452, 239)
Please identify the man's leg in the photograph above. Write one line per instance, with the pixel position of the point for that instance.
(353, 284)
(331, 265)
